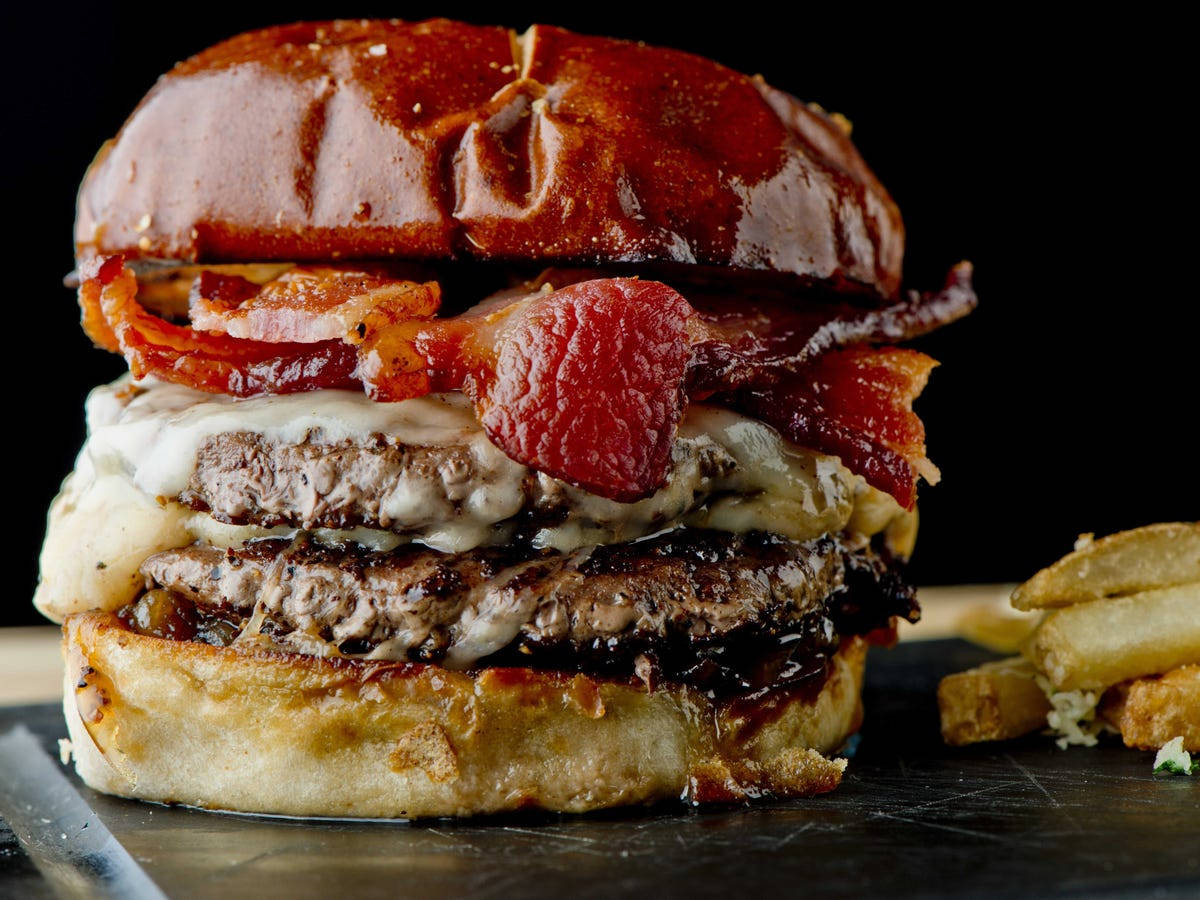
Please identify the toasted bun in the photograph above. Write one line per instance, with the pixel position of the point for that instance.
(258, 732)
(438, 140)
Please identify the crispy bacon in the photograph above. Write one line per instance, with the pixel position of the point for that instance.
(94, 276)
(586, 383)
(750, 345)
(165, 290)
(856, 404)
(307, 304)
(214, 363)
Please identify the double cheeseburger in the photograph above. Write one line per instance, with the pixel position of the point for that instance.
(512, 421)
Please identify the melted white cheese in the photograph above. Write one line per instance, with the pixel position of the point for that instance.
(116, 508)
(155, 436)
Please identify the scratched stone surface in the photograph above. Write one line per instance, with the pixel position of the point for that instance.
(912, 818)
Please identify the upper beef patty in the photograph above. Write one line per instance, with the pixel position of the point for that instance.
(244, 478)
(686, 603)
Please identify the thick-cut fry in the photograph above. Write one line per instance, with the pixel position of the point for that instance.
(1098, 644)
(995, 702)
(1151, 711)
(1156, 556)
(1000, 629)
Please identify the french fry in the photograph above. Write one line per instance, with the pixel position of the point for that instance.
(1151, 711)
(1128, 562)
(1098, 644)
(994, 702)
(1000, 629)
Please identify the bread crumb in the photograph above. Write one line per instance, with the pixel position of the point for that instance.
(426, 747)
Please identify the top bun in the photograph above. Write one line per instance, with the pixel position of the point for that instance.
(441, 140)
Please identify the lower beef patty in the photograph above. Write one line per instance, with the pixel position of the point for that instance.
(721, 611)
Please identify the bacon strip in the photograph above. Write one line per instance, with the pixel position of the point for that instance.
(307, 304)
(855, 404)
(739, 348)
(586, 383)
(215, 363)
(94, 276)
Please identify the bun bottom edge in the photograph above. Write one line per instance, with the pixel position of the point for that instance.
(257, 732)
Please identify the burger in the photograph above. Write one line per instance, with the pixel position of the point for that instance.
(511, 421)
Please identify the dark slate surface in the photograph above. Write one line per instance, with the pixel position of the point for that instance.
(913, 818)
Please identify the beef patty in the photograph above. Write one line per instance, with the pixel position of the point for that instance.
(694, 605)
(243, 478)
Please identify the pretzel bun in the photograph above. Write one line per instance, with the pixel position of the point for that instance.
(220, 728)
(442, 140)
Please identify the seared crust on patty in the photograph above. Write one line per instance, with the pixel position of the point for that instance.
(722, 611)
(224, 728)
(697, 584)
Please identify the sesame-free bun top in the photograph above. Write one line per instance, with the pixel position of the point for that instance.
(442, 140)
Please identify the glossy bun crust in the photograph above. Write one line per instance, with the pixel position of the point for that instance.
(257, 732)
(441, 140)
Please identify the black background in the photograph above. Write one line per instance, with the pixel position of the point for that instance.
(1047, 148)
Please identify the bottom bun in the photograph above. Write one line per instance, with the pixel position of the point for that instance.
(261, 732)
